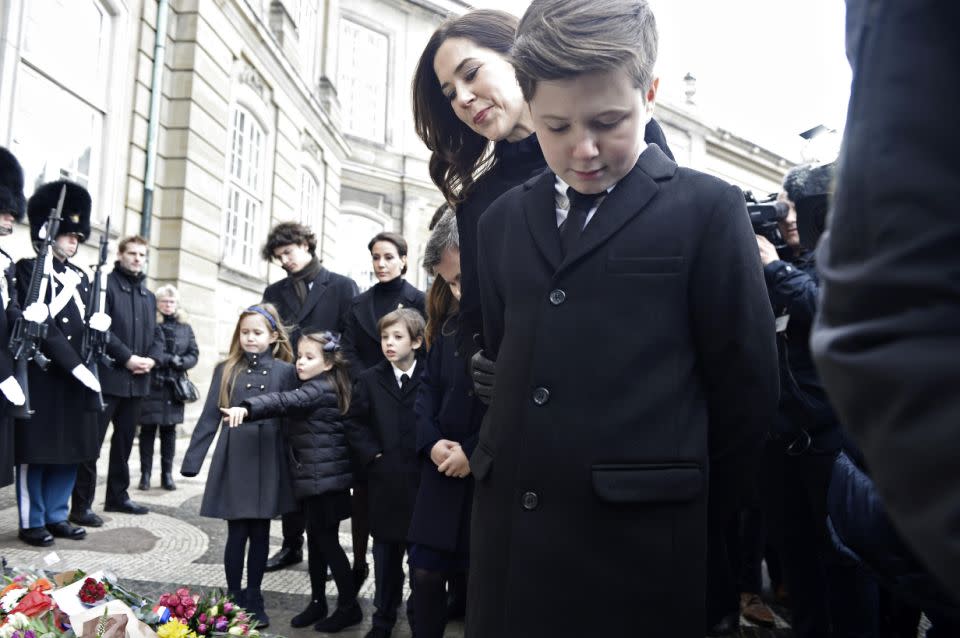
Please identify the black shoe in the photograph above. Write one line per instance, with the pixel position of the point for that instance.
(360, 573)
(341, 619)
(377, 632)
(166, 481)
(729, 625)
(256, 607)
(284, 558)
(87, 519)
(127, 507)
(315, 612)
(144, 481)
(37, 536)
(63, 529)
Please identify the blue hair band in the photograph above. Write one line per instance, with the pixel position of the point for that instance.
(266, 315)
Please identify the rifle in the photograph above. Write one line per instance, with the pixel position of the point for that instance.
(94, 345)
(26, 337)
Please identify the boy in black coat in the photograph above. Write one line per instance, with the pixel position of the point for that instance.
(383, 433)
(624, 303)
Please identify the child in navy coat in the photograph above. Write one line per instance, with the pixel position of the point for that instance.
(382, 431)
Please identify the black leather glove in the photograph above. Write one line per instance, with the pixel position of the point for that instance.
(483, 372)
(176, 362)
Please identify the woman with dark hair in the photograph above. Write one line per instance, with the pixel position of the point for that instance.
(465, 96)
(361, 347)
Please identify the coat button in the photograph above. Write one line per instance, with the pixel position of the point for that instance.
(529, 501)
(541, 396)
(557, 297)
(263, 387)
(264, 372)
(249, 370)
(66, 320)
(249, 385)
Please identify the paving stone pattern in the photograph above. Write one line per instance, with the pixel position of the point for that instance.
(174, 546)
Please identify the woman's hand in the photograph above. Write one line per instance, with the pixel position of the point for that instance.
(234, 416)
(456, 465)
(441, 450)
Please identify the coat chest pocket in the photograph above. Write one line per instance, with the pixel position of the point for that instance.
(647, 483)
(643, 265)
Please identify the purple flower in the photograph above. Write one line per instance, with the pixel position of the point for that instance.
(221, 624)
(203, 618)
(202, 628)
(29, 634)
(228, 607)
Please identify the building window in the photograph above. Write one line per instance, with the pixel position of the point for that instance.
(362, 80)
(244, 190)
(307, 35)
(355, 232)
(60, 105)
(311, 201)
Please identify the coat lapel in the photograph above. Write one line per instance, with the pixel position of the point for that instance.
(365, 315)
(625, 202)
(313, 296)
(387, 380)
(289, 294)
(412, 384)
(540, 211)
(408, 297)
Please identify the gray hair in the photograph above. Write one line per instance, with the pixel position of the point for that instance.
(445, 236)
(169, 291)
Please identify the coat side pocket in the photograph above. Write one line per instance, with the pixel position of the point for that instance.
(647, 483)
(481, 462)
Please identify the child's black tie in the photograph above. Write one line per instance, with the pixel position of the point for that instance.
(572, 226)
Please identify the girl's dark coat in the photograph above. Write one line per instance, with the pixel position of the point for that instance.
(249, 474)
(445, 409)
(161, 407)
(316, 443)
(382, 421)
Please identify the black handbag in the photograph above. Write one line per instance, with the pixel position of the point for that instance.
(183, 388)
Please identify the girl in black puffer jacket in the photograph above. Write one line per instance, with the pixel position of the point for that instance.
(320, 468)
(161, 408)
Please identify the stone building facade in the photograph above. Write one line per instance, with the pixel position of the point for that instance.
(268, 110)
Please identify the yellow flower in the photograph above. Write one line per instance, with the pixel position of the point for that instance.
(173, 628)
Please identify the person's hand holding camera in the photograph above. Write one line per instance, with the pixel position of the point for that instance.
(768, 254)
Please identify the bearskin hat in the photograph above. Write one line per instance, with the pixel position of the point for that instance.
(75, 217)
(11, 185)
(809, 180)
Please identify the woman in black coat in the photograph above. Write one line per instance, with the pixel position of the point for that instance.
(175, 351)
(361, 346)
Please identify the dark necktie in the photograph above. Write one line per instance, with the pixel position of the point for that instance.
(572, 227)
(403, 380)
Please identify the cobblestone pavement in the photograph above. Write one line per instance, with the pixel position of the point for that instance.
(174, 546)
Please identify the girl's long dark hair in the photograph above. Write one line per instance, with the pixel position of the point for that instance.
(441, 305)
(458, 154)
(339, 372)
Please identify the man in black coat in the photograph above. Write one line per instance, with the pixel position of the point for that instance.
(309, 299)
(636, 364)
(133, 310)
(62, 430)
(888, 333)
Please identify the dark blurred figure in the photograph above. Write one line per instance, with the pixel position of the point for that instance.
(888, 336)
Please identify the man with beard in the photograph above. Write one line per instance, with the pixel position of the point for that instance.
(309, 299)
(133, 310)
(62, 430)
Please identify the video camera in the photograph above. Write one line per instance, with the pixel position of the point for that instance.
(765, 216)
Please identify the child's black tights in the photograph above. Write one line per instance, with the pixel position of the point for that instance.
(239, 532)
(429, 603)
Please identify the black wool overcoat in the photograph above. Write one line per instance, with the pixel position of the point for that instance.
(324, 308)
(361, 339)
(63, 428)
(133, 311)
(171, 338)
(628, 373)
(382, 421)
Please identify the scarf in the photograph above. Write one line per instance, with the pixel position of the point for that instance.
(303, 277)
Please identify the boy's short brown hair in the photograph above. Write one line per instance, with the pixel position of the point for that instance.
(285, 234)
(561, 39)
(132, 239)
(409, 318)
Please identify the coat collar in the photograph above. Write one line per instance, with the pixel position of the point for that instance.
(388, 380)
(318, 287)
(626, 201)
(363, 308)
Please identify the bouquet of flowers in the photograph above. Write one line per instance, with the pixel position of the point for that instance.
(27, 610)
(187, 615)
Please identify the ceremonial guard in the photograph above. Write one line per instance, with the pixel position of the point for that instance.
(13, 206)
(62, 430)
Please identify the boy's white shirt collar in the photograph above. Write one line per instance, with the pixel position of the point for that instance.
(397, 372)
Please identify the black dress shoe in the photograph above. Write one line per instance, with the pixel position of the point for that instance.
(315, 612)
(144, 481)
(87, 519)
(341, 618)
(166, 481)
(37, 536)
(284, 558)
(729, 625)
(63, 529)
(377, 632)
(127, 507)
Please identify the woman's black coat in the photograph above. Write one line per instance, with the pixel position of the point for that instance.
(382, 422)
(445, 409)
(314, 430)
(175, 338)
(361, 339)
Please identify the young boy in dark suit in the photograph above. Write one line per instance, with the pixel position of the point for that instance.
(624, 303)
(382, 430)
